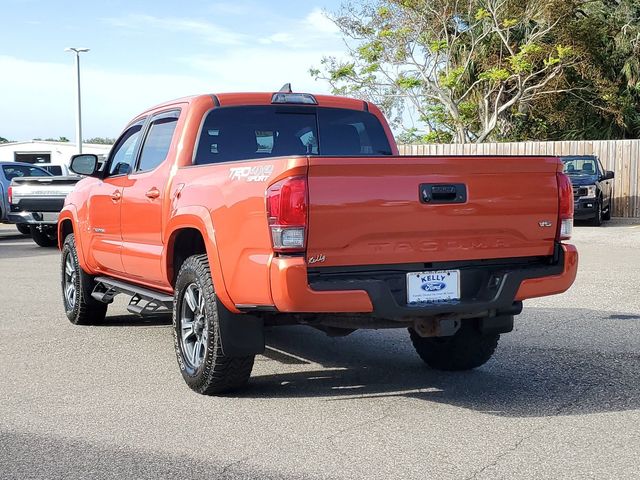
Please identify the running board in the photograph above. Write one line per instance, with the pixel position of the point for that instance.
(143, 302)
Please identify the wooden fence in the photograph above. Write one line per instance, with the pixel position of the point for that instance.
(621, 156)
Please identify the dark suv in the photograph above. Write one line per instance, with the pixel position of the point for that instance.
(592, 187)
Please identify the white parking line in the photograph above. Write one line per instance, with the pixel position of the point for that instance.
(15, 244)
(289, 355)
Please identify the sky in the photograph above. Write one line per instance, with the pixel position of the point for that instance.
(144, 52)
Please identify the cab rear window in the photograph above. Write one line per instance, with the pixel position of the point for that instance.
(253, 132)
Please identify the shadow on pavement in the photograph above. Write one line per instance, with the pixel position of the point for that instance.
(619, 316)
(13, 236)
(522, 380)
(40, 456)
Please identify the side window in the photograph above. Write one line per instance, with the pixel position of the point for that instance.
(124, 153)
(158, 140)
(351, 132)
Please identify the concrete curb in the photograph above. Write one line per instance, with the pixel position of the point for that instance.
(624, 221)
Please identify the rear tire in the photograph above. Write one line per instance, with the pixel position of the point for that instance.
(23, 228)
(465, 350)
(44, 236)
(196, 333)
(81, 308)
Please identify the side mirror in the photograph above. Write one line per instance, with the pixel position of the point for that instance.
(84, 164)
(608, 175)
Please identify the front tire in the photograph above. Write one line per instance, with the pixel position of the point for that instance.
(467, 349)
(44, 236)
(81, 308)
(597, 220)
(196, 333)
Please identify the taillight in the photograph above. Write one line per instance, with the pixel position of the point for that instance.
(287, 213)
(565, 207)
(10, 194)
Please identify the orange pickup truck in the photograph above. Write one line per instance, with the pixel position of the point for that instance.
(242, 210)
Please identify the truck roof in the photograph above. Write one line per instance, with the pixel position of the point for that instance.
(264, 98)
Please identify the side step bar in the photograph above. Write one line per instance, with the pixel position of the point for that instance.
(144, 301)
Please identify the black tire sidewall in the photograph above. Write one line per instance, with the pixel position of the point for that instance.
(69, 249)
(466, 350)
(87, 310)
(597, 220)
(190, 273)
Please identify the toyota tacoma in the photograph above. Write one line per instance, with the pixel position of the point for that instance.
(241, 210)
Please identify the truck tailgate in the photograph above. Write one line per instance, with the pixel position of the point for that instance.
(43, 186)
(394, 210)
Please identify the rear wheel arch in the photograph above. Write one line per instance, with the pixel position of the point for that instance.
(65, 228)
(182, 244)
(195, 237)
(67, 225)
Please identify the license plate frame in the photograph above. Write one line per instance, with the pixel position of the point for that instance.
(436, 286)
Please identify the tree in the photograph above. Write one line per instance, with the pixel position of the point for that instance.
(51, 139)
(101, 140)
(4, 140)
(464, 67)
(607, 103)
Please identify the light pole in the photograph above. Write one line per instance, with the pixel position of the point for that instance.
(78, 51)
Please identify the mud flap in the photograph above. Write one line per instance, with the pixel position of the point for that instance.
(241, 335)
(493, 325)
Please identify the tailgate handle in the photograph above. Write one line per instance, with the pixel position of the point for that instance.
(443, 193)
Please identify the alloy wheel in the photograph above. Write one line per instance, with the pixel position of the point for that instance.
(193, 326)
(70, 282)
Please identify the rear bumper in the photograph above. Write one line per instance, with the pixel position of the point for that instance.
(33, 218)
(553, 284)
(491, 288)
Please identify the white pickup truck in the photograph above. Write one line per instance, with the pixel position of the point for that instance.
(36, 202)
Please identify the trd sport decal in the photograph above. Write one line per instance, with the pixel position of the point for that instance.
(260, 173)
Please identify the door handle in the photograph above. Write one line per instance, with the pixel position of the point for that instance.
(153, 193)
(443, 193)
(116, 196)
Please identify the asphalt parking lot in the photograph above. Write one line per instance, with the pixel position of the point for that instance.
(560, 399)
